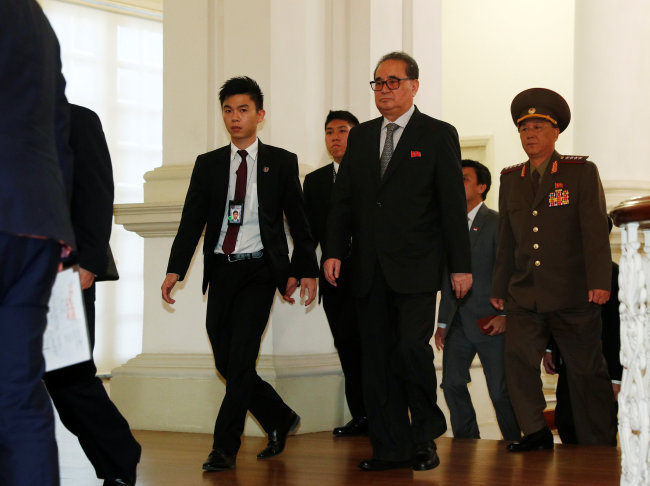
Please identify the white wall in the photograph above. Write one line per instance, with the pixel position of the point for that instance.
(494, 50)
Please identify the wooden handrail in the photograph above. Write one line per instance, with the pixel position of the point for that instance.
(632, 210)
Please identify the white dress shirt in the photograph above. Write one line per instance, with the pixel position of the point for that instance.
(397, 134)
(249, 239)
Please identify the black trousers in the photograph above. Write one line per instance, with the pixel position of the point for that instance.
(87, 411)
(239, 302)
(398, 371)
(563, 412)
(341, 312)
(28, 452)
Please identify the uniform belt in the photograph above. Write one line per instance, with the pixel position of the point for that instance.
(235, 257)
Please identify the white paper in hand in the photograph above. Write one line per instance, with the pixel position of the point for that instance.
(65, 341)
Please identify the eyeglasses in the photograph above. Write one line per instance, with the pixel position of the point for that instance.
(392, 83)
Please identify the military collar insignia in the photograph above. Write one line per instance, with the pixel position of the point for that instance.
(554, 167)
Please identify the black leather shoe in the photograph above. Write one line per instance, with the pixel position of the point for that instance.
(218, 460)
(119, 482)
(381, 465)
(537, 441)
(278, 436)
(353, 427)
(426, 457)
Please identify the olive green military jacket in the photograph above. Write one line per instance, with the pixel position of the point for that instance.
(553, 245)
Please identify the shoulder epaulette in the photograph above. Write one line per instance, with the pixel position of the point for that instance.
(512, 168)
(573, 159)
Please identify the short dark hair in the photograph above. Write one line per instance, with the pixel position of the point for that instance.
(341, 115)
(412, 69)
(242, 85)
(482, 174)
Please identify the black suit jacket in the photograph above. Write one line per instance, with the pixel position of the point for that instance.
(483, 236)
(279, 193)
(35, 160)
(612, 330)
(409, 220)
(91, 208)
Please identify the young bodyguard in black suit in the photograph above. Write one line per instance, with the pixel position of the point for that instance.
(35, 225)
(244, 263)
(78, 395)
(458, 332)
(405, 211)
(338, 302)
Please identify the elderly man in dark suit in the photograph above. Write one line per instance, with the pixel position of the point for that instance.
(553, 271)
(244, 262)
(34, 226)
(404, 159)
(338, 302)
(458, 320)
(78, 395)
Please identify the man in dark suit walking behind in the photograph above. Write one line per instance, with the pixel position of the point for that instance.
(338, 302)
(78, 395)
(458, 331)
(244, 262)
(399, 196)
(34, 226)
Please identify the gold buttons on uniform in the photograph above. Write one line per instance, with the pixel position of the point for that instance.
(537, 263)
(536, 246)
(535, 229)
(535, 212)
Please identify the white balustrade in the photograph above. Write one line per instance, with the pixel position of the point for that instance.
(634, 295)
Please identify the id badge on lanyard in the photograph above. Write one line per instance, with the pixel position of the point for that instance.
(235, 212)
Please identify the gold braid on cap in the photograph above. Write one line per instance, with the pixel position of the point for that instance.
(537, 115)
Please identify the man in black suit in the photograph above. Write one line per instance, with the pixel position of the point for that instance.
(338, 302)
(78, 395)
(35, 225)
(458, 331)
(244, 262)
(398, 258)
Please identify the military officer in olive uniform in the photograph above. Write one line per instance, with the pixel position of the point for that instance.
(552, 273)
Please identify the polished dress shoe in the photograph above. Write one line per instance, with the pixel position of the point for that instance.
(426, 457)
(381, 465)
(537, 441)
(119, 482)
(353, 427)
(278, 436)
(218, 460)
